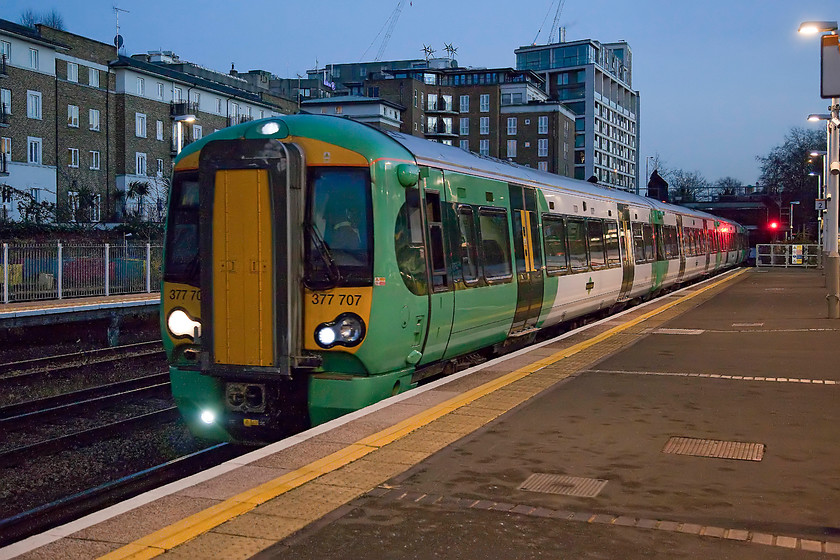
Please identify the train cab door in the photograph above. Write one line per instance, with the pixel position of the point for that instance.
(528, 258)
(251, 197)
(441, 295)
(627, 255)
(681, 247)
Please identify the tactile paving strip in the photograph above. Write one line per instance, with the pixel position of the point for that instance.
(563, 484)
(715, 448)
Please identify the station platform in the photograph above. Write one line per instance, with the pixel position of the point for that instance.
(34, 313)
(698, 425)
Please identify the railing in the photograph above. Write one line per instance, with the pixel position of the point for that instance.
(788, 256)
(181, 108)
(234, 120)
(57, 271)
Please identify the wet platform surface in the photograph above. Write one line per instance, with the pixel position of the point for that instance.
(565, 451)
(32, 313)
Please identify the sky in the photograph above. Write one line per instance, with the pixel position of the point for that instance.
(720, 81)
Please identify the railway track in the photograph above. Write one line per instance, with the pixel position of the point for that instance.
(71, 507)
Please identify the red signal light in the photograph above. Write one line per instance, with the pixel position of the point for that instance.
(774, 225)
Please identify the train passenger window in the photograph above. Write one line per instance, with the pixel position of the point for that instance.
(576, 231)
(408, 244)
(650, 249)
(468, 250)
(688, 242)
(595, 233)
(495, 244)
(638, 243)
(437, 252)
(611, 244)
(671, 245)
(182, 259)
(554, 234)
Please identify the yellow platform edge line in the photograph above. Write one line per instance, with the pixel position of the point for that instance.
(160, 541)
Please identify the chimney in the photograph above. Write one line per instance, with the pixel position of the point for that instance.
(562, 34)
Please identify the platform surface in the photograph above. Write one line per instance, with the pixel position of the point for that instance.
(741, 368)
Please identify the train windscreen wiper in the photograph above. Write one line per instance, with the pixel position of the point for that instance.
(332, 271)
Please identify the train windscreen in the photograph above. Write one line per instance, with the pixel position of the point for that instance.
(339, 250)
(182, 260)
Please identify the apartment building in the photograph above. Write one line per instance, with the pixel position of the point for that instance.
(594, 80)
(89, 135)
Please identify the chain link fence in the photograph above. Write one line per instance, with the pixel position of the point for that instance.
(57, 270)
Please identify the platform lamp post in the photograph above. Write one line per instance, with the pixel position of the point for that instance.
(792, 204)
(827, 118)
(821, 182)
(830, 89)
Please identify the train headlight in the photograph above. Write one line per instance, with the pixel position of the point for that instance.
(181, 324)
(347, 329)
(208, 416)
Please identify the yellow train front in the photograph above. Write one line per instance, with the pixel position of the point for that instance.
(267, 294)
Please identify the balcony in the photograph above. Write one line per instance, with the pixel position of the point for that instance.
(4, 72)
(4, 116)
(234, 120)
(4, 166)
(441, 107)
(182, 108)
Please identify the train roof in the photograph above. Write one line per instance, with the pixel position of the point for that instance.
(427, 152)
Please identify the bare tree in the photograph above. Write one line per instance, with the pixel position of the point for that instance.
(52, 18)
(728, 186)
(685, 186)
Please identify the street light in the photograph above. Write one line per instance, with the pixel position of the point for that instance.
(832, 269)
(792, 203)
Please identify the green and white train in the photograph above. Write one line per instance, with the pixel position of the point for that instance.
(315, 265)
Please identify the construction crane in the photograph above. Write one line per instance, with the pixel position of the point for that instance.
(388, 28)
(557, 12)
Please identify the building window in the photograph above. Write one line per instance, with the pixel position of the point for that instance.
(511, 126)
(94, 159)
(72, 72)
(93, 119)
(198, 133)
(6, 50)
(415, 98)
(542, 125)
(72, 157)
(141, 86)
(197, 99)
(6, 148)
(34, 150)
(177, 94)
(219, 106)
(465, 104)
(93, 77)
(511, 148)
(160, 90)
(73, 116)
(34, 63)
(542, 147)
(33, 104)
(464, 145)
(140, 125)
(484, 147)
(160, 168)
(465, 126)
(159, 130)
(542, 166)
(73, 201)
(484, 103)
(484, 125)
(6, 101)
(139, 163)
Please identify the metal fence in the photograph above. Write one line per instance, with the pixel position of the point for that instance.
(56, 271)
(788, 256)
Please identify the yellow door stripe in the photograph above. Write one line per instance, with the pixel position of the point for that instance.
(178, 533)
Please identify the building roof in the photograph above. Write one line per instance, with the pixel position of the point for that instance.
(353, 99)
(29, 34)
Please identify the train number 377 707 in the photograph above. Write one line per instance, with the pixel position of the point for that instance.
(341, 299)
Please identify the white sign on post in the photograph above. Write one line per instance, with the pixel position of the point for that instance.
(830, 67)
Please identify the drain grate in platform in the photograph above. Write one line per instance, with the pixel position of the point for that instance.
(564, 485)
(714, 448)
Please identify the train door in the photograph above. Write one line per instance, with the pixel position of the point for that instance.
(708, 243)
(251, 194)
(441, 296)
(681, 247)
(528, 258)
(627, 260)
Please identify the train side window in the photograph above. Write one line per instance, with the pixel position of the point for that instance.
(554, 234)
(408, 243)
(611, 243)
(650, 249)
(659, 242)
(468, 250)
(638, 243)
(595, 234)
(437, 254)
(576, 231)
(183, 263)
(672, 246)
(495, 244)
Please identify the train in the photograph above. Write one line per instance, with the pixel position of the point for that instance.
(314, 265)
